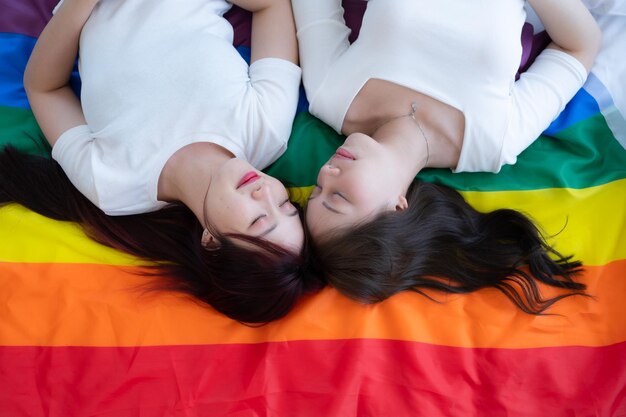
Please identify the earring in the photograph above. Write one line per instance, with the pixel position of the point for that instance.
(208, 241)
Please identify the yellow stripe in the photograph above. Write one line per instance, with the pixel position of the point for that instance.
(300, 195)
(594, 220)
(28, 237)
(591, 221)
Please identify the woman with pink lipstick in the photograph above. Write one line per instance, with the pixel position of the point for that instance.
(166, 145)
(432, 84)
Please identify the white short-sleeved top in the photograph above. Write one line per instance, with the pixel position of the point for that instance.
(157, 76)
(462, 53)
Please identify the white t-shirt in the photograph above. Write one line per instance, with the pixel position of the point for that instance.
(462, 53)
(157, 76)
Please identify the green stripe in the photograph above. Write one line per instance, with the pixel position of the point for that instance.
(584, 155)
(310, 145)
(19, 128)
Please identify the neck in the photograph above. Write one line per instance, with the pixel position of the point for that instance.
(188, 173)
(403, 138)
(427, 138)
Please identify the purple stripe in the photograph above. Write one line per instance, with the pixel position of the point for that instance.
(353, 15)
(532, 45)
(26, 17)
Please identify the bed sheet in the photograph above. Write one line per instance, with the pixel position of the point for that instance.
(78, 337)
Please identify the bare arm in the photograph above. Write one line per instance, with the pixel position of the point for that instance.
(273, 29)
(48, 71)
(571, 27)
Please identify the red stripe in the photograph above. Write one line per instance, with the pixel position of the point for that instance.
(358, 377)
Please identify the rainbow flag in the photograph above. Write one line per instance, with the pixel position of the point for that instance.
(78, 337)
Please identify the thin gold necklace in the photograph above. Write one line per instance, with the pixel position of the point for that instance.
(412, 115)
(413, 110)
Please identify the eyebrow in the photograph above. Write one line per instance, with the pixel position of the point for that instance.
(268, 231)
(334, 210)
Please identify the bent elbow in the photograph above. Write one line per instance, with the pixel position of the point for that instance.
(592, 45)
(596, 41)
(27, 80)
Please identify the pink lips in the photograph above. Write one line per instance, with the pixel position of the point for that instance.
(342, 153)
(249, 177)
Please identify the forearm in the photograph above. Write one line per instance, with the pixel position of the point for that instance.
(571, 28)
(273, 29)
(50, 65)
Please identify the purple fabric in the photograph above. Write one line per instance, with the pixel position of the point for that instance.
(353, 15)
(241, 21)
(532, 45)
(527, 40)
(25, 17)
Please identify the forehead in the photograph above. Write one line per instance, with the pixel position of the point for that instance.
(321, 220)
(289, 233)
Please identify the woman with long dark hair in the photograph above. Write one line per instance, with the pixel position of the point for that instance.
(432, 84)
(161, 157)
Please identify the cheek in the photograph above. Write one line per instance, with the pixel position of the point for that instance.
(233, 212)
(225, 214)
(317, 220)
(371, 193)
(362, 187)
(312, 212)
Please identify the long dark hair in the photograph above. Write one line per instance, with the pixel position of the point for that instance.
(440, 242)
(249, 285)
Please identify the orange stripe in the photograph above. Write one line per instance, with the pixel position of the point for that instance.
(100, 305)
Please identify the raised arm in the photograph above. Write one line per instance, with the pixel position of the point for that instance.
(48, 71)
(273, 29)
(571, 27)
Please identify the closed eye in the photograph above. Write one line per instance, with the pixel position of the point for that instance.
(324, 203)
(287, 205)
(319, 190)
(341, 196)
(257, 219)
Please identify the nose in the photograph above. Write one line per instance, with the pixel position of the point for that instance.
(261, 192)
(330, 169)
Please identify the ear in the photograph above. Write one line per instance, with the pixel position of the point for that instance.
(208, 241)
(402, 204)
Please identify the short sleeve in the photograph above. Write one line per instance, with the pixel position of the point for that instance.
(538, 97)
(73, 152)
(276, 83)
(272, 103)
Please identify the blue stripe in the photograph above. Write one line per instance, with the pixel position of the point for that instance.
(303, 104)
(581, 107)
(15, 49)
(14, 52)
